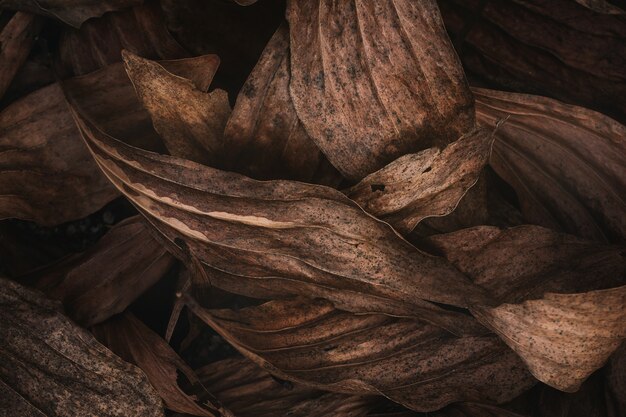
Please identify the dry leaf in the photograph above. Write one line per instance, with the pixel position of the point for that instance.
(601, 6)
(136, 343)
(567, 164)
(108, 277)
(616, 382)
(426, 184)
(72, 12)
(16, 41)
(562, 338)
(264, 137)
(51, 367)
(412, 363)
(372, 81)
(283, 238)
(190, 121)
(99, 42)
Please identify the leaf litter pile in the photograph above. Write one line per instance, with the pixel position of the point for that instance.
(313, 208)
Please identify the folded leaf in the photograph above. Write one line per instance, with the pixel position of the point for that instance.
(562, 338)
(190, 121)
(264, 137)
(372, 81)
(134, 342)
(107, 278)
(51, 367)
(567, 164)
(426, 184)
(280, 238)
(414, 364)
(72, 12)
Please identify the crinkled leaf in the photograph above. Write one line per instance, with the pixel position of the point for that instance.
(108, 277)
(426, 184)
(567, 164)
(372, 81)
(190, 121)
(412, 363)
(51, 367)
(72, 12)
(562, 338)
(279, 238)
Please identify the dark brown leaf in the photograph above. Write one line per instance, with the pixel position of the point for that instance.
(616, 382)
(567, 164)
(372, 81)
(601, 6)
(51, 367)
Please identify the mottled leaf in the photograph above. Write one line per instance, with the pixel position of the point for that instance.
(372, 81)
(51, 367)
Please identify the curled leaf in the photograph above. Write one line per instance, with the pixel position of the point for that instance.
(51, 367)
(372, 81)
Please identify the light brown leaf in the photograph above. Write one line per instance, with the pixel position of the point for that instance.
(190, 121)
(264, 137)
(372, 81)
(72, 12)
(51, 367)
(283, 238)
(567, 164)
(108, 277)
(136, 343)
(426, 184)
(562, 338)
(412, 363)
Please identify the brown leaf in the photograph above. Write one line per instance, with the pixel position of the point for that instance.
(72, 12)
(190, 121)
(283, 238)
(16, 41)
(136, 343)
(108, 277)
(51, 367)
(412, 363)
(601, 6)
(99, 42)
(567, 164)
(426, 184)
(562, 338)
(372, 81)
(616, 382)
(264, 137)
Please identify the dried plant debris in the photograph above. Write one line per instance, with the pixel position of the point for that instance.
(301, 208)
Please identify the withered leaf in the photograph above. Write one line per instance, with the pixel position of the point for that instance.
(264, 137)
(72, 12)
(616, 382)
(190, 121)
(283, 238)
(51, 367)
(412, 363)
(567, 164)
(426, 184)
(601, 6)
(16, 41)
(134, 342)
(99, 42)
(372, 81)
(108, 277)
(562, 338)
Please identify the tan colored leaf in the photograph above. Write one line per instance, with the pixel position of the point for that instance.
(372, 81)
(72, 12)
(107, 278)
(51, 367)
(562, 338)
(283, 238)
(264, 137)
(426, 184)
(190, 121)
(99, 42)
(601, 6)
(566, 163)
(16, 41)
(412, 363)
(47, 174)
(134, 342)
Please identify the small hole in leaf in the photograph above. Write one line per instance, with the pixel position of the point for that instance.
(427, 170)
(377, 187)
